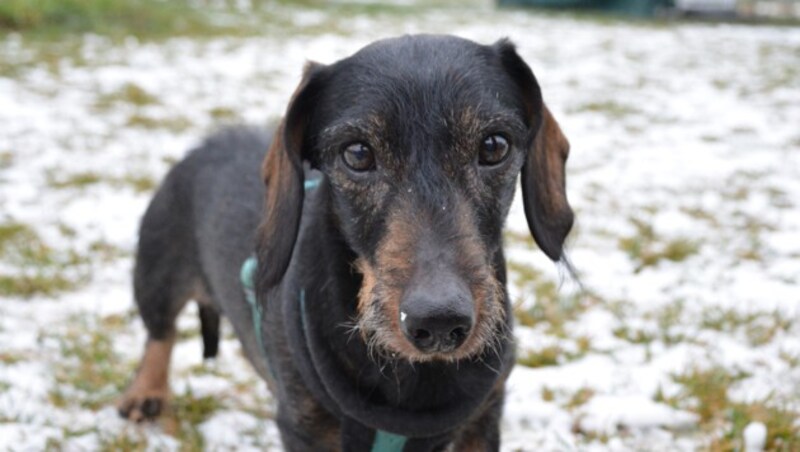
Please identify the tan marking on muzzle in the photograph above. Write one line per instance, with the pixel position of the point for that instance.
(395, 263)
(368, 282)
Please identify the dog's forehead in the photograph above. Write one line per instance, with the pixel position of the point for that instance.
(410, 62)
(431, 49)
(422, 77)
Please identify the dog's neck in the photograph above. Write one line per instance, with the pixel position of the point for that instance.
(382, 393)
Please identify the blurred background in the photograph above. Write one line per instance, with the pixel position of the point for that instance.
(684, 119)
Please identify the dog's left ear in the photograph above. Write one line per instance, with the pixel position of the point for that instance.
(282, 172)
(543, 176)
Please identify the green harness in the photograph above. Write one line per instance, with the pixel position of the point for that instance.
(384, 441)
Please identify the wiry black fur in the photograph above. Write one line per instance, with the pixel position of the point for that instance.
(333, 392)
(196, 233)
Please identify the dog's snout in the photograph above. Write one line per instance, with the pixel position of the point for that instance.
(437, 316)
(443, 332)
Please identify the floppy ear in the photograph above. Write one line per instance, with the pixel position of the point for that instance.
(543, 175)
(544, 190)
(282, 172)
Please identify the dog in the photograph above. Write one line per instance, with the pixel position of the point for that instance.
(377, 310)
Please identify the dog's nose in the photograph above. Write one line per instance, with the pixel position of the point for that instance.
(436, 332)
(437, 317)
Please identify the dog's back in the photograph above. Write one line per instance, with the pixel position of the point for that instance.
(205, 213)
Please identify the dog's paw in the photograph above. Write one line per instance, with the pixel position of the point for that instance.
(140, 406)
(147, 395)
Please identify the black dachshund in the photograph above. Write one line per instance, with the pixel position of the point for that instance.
(377, 310)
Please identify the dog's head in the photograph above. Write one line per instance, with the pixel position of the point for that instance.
(421, 139)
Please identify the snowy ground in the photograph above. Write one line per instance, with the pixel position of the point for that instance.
(684, 174)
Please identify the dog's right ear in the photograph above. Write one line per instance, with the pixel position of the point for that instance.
(282, 172)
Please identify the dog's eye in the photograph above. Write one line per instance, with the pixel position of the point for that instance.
(358, 157)
(494, 150)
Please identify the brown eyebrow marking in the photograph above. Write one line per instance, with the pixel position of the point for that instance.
(370, 126)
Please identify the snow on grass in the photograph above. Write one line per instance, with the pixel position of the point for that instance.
(684, 174)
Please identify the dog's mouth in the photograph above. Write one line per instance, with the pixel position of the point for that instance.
(389, 337)
(393, 327)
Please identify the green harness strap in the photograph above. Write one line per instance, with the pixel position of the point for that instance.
(388, 442)
(247, 278)
(384, 441)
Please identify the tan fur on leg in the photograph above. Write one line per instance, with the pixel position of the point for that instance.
(146, 396)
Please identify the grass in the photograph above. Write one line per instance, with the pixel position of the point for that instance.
(193, 409)
(10, 358)
(185, 416)
(28, 286)
(113, 17)
(547, 356)
(49, 54)
(581, 397)
(6, 159)
(790, 358)
(548, 394)
(83, 179)
(129, 93)
(658, 325)
(706, 393)
(552, 309)
(554, 355)
(105, 252)
(646, 249)
(760, 328)
(610, 108)
(20, 242)
(706, 390)
(90, 374)
(41, 269)
(783, 434)
(224, 114)
(122, 442)
(634, 335)
(155, 19)
(173, 124)
(140, 183)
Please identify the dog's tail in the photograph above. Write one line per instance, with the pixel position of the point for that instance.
(209, 328)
